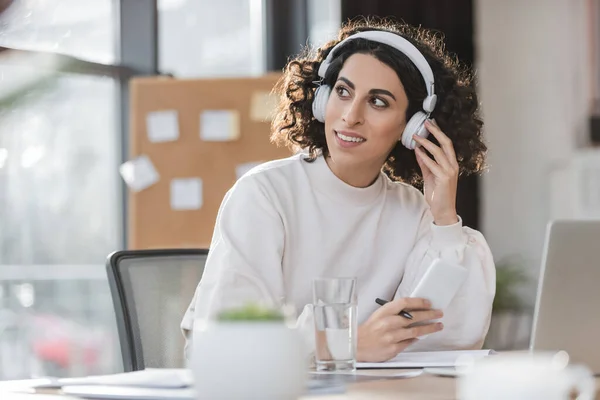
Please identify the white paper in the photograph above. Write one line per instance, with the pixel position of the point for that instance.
(219, 125)
(128, 393)
(150, 377)
(139, 173)
(450, 372)
(377, 373)
(242, 169)
(425, 359)
(262, 106)
(186, 194)
(162, 126)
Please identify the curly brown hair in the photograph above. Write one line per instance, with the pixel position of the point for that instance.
(456, 112)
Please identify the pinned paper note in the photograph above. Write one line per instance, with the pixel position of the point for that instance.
(262, 106)
(162, 126)
(241, 169)
(219, 125)
(139, 173)
(186, 194)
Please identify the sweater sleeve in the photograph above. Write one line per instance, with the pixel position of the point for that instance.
(245, 257)
(466, 320)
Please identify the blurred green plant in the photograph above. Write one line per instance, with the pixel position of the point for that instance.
(251, 312)
(510, 277)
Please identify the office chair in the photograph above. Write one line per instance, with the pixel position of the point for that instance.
(151, 290)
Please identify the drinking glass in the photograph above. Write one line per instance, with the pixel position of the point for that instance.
(334, 303)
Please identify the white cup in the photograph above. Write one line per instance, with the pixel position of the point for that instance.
(525, 376)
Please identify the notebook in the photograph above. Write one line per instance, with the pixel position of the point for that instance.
(429, 359)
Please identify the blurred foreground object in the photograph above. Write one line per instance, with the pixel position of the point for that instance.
(221, 349)
(520, 376)
(4, 4)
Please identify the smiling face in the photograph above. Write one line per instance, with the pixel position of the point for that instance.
(365, 116)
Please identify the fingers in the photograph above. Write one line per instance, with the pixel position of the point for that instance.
(406, 303)
(393, 323)
(401, 335)
(421, 330)
(386, 333)
(443, 140)
(438, 154)
(424, 169)
(444, 155)
(403, 345)
(428, 315)
(431, 165)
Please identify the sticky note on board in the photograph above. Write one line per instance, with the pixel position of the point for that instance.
(241, 169)
(262, 106)
(139, 173)
(186, 194)
(162, 126)
(219, 125)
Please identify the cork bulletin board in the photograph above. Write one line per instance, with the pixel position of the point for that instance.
(169, 212)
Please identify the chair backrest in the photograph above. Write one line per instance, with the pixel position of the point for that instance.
(151, 290)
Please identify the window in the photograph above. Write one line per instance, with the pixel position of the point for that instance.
(59, 173)
(83, 29)
(205, 38)
(324, 20)
(60, 198)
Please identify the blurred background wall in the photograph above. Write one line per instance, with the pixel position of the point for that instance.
(537, 80)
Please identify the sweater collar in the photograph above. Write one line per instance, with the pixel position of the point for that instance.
(326, 182)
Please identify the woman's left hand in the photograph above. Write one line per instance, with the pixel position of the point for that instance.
(440, 175)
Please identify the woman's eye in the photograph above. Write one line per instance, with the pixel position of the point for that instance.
(342, 91)
(378, 102)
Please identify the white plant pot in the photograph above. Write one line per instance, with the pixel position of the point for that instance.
(248, 360)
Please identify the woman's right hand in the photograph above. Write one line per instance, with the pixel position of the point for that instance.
(385, 333)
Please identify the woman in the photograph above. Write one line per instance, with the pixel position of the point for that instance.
(346, 204)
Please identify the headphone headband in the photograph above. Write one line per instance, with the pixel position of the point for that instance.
(400, 44)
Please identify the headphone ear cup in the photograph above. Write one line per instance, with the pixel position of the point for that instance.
(414, 126)
(319, 104)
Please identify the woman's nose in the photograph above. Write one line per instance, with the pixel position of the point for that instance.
(354, 114)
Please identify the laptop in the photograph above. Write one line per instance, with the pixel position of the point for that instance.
(567, 308)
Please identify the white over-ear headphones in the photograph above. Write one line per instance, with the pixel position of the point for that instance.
(416, 124)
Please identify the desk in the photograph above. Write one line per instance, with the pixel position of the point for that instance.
(420, 388)
(424, 387)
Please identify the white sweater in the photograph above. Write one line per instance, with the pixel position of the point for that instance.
(288, 221)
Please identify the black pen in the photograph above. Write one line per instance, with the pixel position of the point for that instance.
(403, 313)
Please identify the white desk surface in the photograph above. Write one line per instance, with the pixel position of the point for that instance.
(420, 388)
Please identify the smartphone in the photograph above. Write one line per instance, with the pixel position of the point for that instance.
(440, 283)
